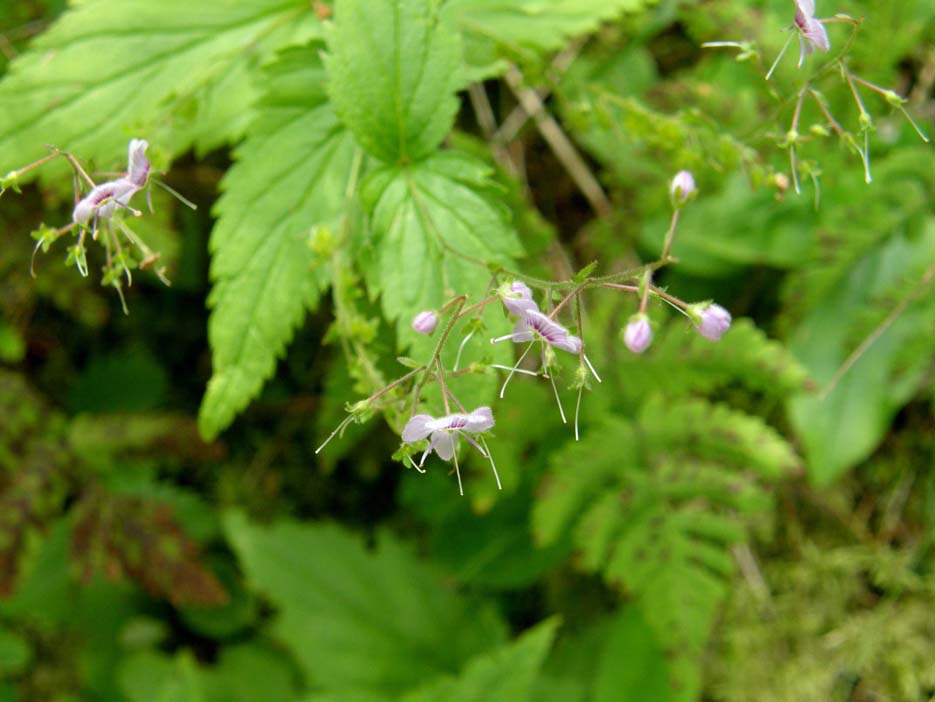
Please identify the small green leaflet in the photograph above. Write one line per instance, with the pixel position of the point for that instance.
(111, 67)
(393, 69)
(505, 674)
(362, 625)
(437, 224)
(291, 174)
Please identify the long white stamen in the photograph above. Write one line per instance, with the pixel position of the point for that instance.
(514, 369)
(915, 126)
(866, 157)
(457, 471)
(561, 410)
(492, 464)
(577, 410)
(176, 194)
(347, 420)
(414, 465)
(474, 444)
(778, 58)
(591, 368)
(461, 348)
(795, 170)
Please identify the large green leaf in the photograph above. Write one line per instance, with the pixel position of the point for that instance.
(364, 625)
(436, 224)
(843, 427)
(291, 174)
(111, 69)
(505, 674)
(393, 66)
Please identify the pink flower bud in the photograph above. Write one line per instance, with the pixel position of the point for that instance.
(425, 322)
(683, 185)
(714, 320)
(638, 334)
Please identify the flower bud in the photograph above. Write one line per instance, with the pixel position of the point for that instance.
(425, 322)
(683, 185)
(638, 334)
(711, 320)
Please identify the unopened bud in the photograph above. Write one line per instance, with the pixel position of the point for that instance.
(682, 188)
(638, 335)
(711, 320)
(425, 322)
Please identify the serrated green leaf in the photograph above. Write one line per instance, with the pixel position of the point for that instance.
(393, 68)
(539, 26)
(360, 623)
(437, 223)
(111, 66)
(291, 174)
(503, 675)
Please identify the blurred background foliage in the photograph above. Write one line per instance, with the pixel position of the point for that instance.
(739, 521)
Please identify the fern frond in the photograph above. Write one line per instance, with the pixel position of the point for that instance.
(654, 505)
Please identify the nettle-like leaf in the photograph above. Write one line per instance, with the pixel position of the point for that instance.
(109, 66)
(505, 674)
(393, 66)
(436, 224)
(529, 26)
(362, 625)
(653, 504)
(291, 174)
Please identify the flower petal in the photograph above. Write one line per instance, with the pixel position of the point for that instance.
(137, 163)
(480, 420)
(417, 428)
(444, 444)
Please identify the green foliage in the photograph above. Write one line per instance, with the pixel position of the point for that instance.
(265, 274)
(632, 667)
(110, 69)
(505, 674)
(373, 162)
(394, 88)
(653, 505)
(834, 646)
(682, 362)
(841, 427)
(527, 28)
(243, 673)
(435, 224)
(335, 599)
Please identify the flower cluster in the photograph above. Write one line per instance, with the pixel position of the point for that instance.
(531, 326)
